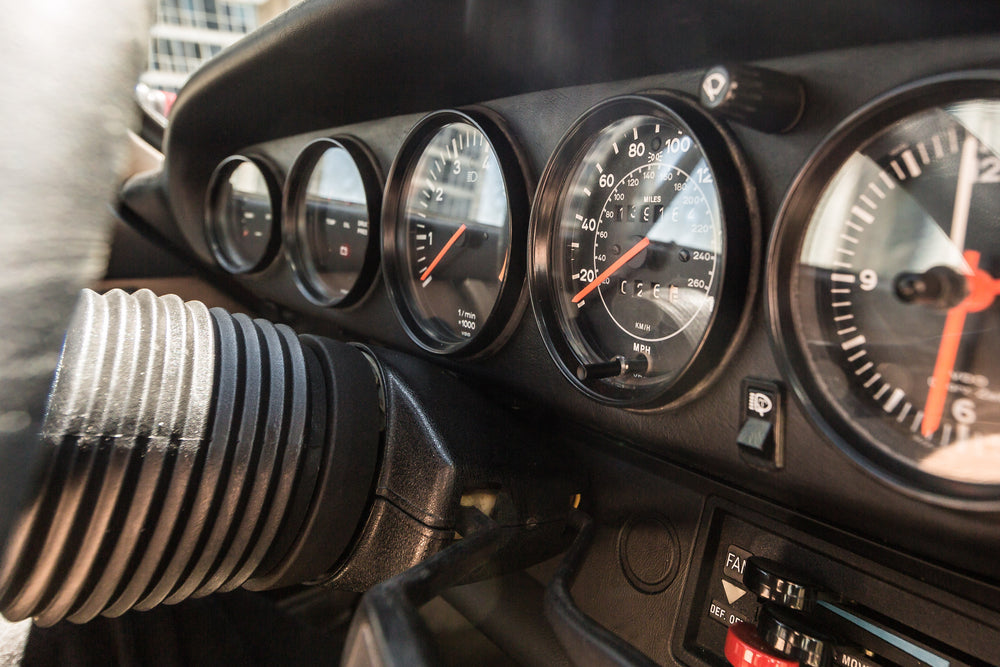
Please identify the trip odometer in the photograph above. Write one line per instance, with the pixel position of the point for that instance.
(638, 249)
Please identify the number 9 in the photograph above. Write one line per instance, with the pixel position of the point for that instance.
(868, 280)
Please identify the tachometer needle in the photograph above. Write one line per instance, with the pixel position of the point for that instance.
(983, 289)
(444, 250)
(619, 263)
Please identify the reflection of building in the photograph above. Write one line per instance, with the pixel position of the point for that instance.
(189, 32)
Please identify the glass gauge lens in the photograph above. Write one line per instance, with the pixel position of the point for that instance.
(333, 211)
(638, 248)
(458, 207)
(891, 241)
(240, 216)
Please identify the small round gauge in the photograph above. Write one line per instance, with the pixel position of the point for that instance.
(882, 283)
(643, 237)
(454, 228)
(332, 214)
(241, 213)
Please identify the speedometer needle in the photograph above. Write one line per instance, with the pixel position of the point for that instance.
(444, 251)
(619, 263)
(983, 289)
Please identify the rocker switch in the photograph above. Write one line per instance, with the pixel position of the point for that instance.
(761, 424)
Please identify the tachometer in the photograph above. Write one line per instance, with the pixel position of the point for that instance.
(882, 286)
(643, 237)
(454, 228)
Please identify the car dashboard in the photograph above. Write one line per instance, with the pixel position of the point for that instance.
(742, 423)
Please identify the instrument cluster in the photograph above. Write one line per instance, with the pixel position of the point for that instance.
(640, 248)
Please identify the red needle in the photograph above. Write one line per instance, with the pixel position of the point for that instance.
(445, 249)
(619, 263)
(982, 290)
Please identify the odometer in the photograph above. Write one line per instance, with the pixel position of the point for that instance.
(642, 236)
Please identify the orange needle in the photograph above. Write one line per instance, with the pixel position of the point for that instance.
(979, 291)
(444, 250)
(951, 337)
(619, 263)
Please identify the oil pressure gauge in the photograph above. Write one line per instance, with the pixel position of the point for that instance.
(454, 228)
(332, 213)
(643, 237)
(884, 272)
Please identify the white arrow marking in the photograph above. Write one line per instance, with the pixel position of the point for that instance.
(733, 592)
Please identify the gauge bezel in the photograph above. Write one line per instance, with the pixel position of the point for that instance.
(785, 246)
(511, 299)
(218, 247)
(293, 225)
(739, 218)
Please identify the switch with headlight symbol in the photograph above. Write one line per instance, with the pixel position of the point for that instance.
(761, 424)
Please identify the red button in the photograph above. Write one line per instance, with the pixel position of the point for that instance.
(745, 649)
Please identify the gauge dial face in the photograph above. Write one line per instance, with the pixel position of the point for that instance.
(893, 282)
(451, 230)
(636, 250)
(240, 215)
(334, 207)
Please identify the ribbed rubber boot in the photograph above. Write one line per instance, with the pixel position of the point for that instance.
(191, 451)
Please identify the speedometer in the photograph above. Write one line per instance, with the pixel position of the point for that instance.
(882, 288)
(643, 238)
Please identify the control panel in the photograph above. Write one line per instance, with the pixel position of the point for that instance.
(771, 594)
